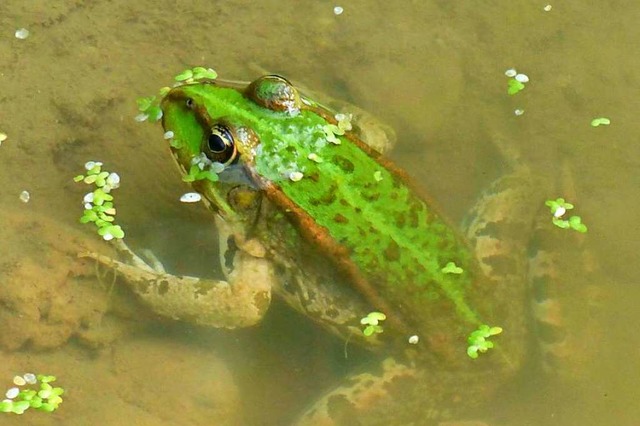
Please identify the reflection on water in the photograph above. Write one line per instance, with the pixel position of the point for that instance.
(434, 70)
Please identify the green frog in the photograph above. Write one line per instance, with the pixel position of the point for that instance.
(308, 211)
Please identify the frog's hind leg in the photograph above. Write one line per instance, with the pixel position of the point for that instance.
(398, 394)
(357, 398)
(499, 229)
(546, 308)
(562, 268)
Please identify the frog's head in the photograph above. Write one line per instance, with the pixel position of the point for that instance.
(216, 129)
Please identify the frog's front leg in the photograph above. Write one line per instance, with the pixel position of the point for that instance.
(241, 301)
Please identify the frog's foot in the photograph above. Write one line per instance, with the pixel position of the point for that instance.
(354, 399)
(240, 302)
(397, 394)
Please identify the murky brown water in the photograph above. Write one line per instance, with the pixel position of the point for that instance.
(434, 70)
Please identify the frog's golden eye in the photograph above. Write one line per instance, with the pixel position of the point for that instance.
(219, 145)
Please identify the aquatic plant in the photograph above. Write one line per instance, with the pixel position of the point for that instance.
(516, 81)
(558, 209)
(600, 121)
(452, 268)
(478, 342)
(149, 107)
(196, 73)
(98, 204)
(26, 394)
(372, 323)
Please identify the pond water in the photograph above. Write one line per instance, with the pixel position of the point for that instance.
(433, 70)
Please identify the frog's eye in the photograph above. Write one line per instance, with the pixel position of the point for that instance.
(275, 93)
(219, 145)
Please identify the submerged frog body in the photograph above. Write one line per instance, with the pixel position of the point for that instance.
(309, 212)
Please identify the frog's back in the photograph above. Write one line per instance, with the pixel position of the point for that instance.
(391, 244)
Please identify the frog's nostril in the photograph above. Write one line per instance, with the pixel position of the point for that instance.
(189, 103)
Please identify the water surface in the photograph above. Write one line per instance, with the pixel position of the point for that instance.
(433, 70)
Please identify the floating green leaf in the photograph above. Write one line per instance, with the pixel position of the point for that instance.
(558, 206)
(452, 268)
(478, 342)
(196, 174)
(45, 397)
(600, 121)
(176, 143)
(514, 86)
(372, 329)
(98, 204)
(184, 75)
(145, 103)
(575, 222)
(372, 322)
(204, 73)
(558, 209)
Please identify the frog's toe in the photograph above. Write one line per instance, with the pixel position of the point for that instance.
(131, 258)
(153, 261)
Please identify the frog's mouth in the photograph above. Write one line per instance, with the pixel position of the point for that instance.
(236, 174)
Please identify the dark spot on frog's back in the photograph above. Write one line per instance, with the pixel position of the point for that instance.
(414, 219)
(392, 252)
(370, 191)
(338, 218)
(370, 195)
(400, 220)
(344, 163)
(328, 197)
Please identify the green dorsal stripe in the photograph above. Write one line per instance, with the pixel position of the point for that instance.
(395, 239)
